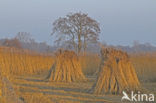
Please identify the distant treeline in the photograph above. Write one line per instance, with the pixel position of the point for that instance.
(24, 41)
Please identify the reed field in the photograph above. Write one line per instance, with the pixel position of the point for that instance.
(92, 51)
(145, 65)
(22, 62)
(27, 70)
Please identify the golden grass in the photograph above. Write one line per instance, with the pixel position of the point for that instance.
(145, 66)
(90, 63)
(25, 63)
(36, 98)
(22, 62)
(8, 92)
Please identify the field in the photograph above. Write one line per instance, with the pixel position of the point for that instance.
(26, 71)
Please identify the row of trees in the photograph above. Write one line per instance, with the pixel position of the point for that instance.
(24, 40)
(21, 37)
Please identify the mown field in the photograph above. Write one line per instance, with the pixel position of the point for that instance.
(26, 71)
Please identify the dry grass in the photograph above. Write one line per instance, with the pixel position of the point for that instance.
(36, 98)
(75, 92)
(22, 62)
(145, 66)
(8, 93)
(90, 63)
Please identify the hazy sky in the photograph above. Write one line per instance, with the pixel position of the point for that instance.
(121, 21)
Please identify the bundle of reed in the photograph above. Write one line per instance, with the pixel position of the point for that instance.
(67, 67)
(116, 73)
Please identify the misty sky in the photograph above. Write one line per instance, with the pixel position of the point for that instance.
(121, 21)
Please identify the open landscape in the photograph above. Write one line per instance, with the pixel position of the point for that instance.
(77, 51)
(29, 70)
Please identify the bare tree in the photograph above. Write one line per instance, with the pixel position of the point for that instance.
(24, 37)
(78, 29)
(136, 43)
(12, 43)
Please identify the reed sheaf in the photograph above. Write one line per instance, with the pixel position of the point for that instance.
(22, 62)
(116, 73)
(66, 68)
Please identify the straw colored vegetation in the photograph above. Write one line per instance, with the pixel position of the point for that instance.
(22, 74)
(67, 68)
(90, 63)
(8, 95)
(22, 62)
(116, 73)
(145, 65)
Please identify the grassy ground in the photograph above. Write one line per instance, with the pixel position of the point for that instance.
(71, 92)
(78, 92)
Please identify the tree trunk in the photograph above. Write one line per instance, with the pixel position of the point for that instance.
(79, 40)
(84, 45)
(79, 43)
(74, 44)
